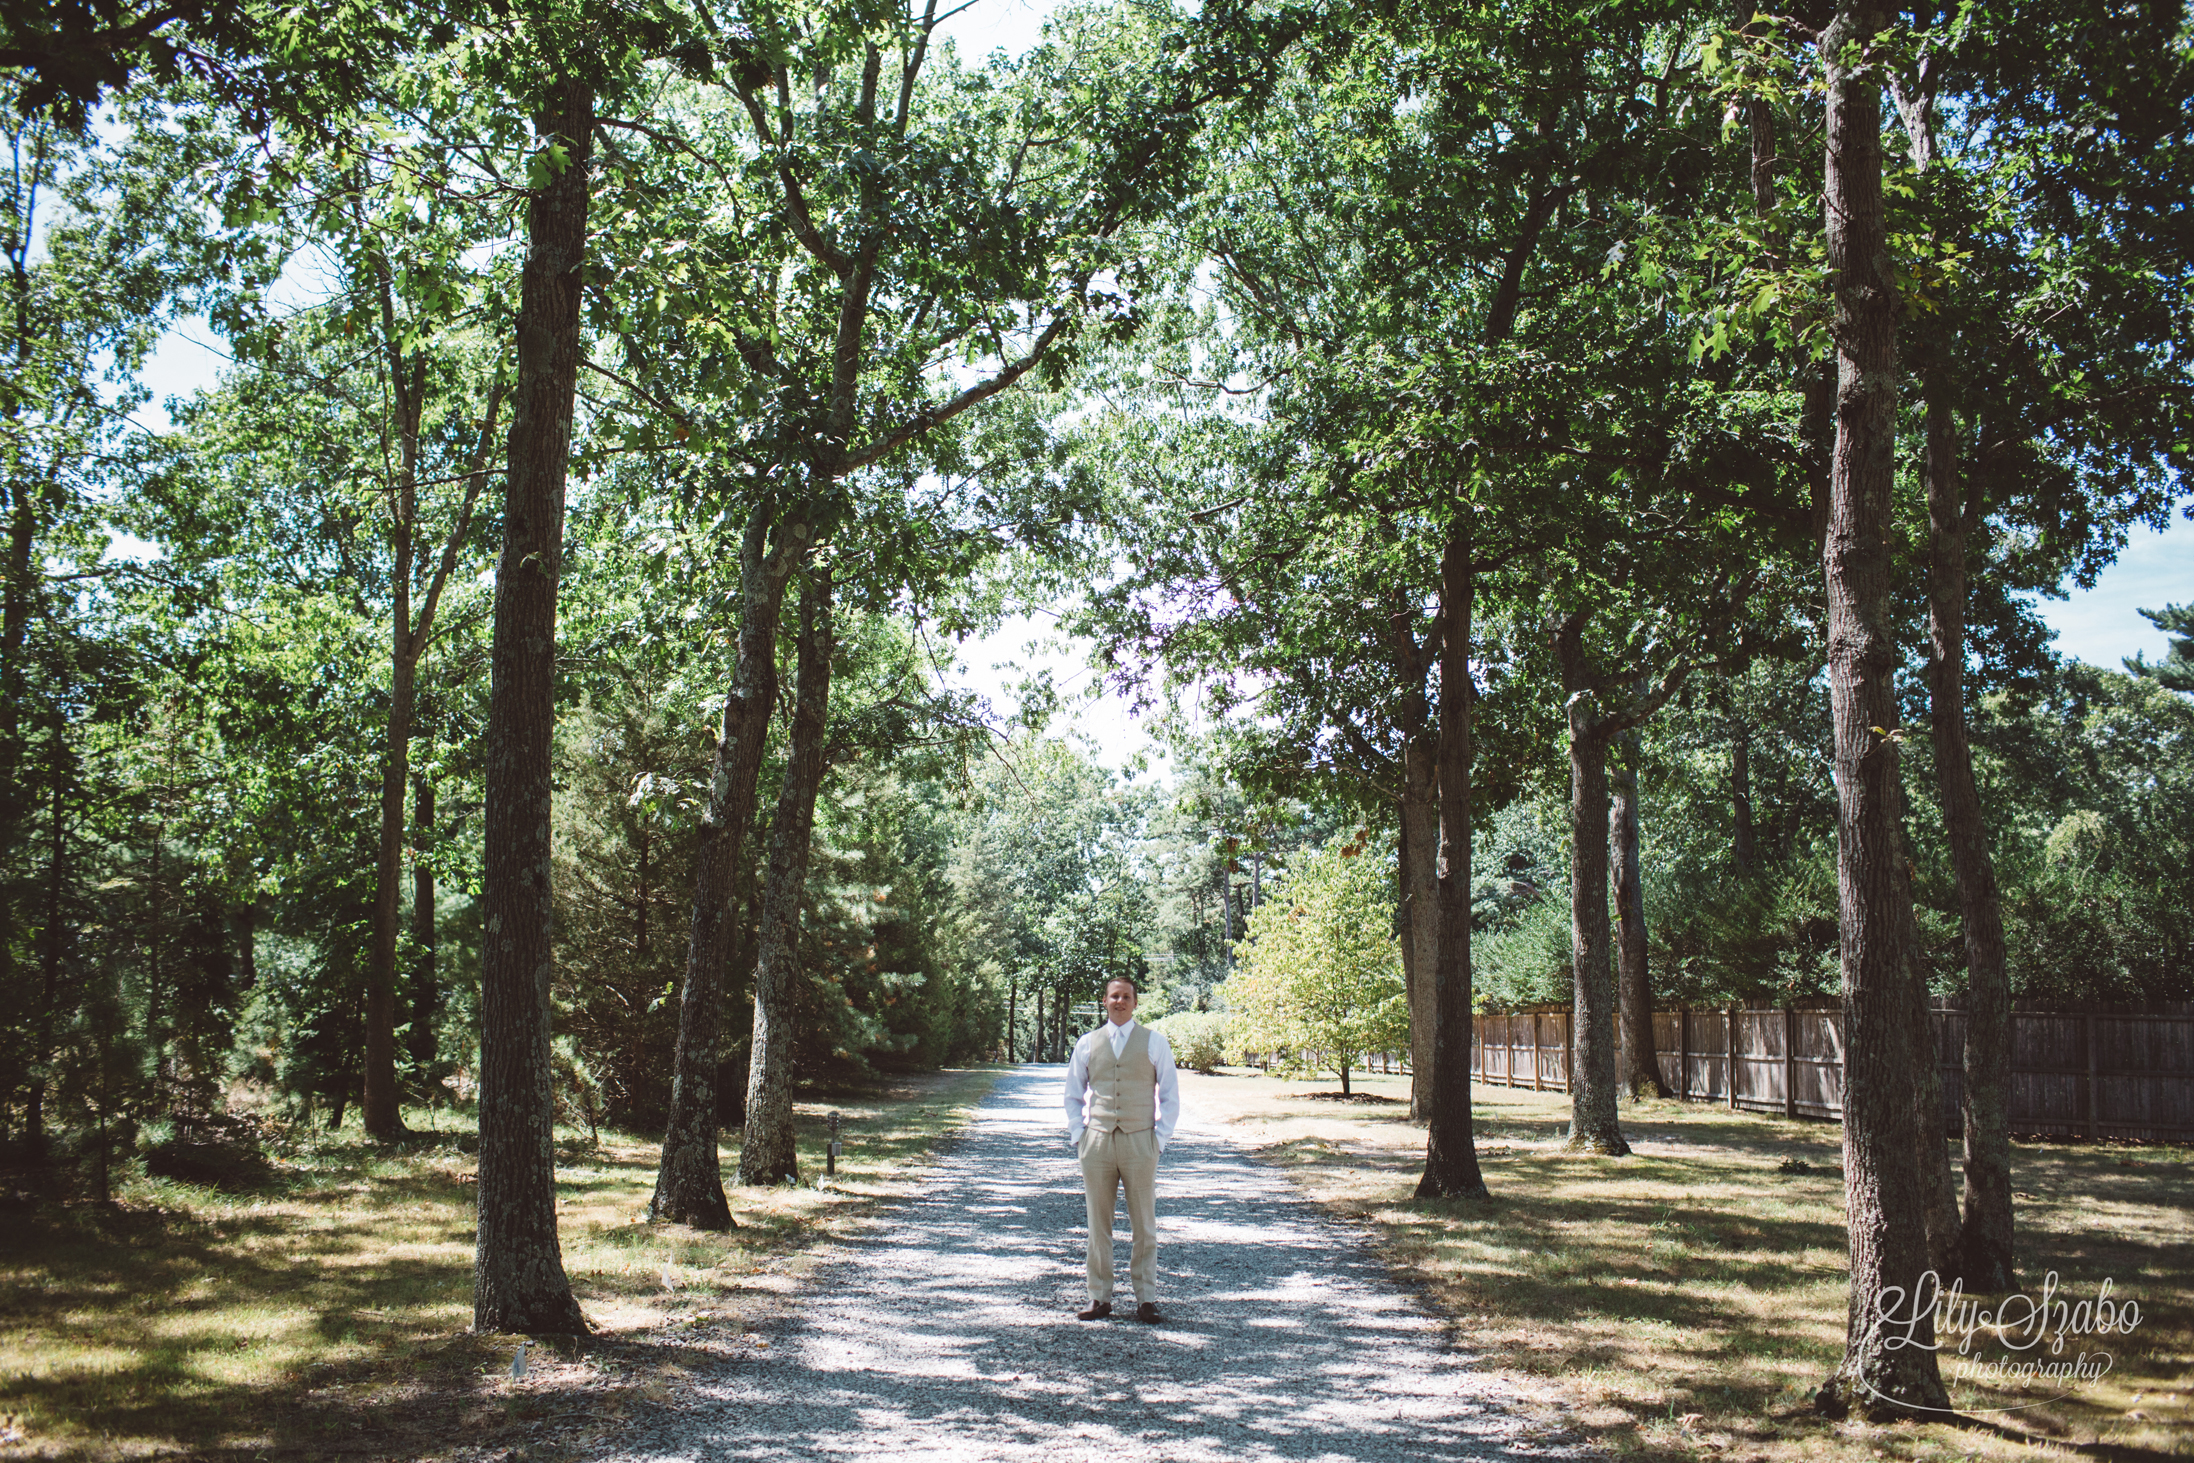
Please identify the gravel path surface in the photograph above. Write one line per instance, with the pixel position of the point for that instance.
(947, 1332)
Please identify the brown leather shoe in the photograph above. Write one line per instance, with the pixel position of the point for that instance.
(1147, 1313)
(1098, 1310)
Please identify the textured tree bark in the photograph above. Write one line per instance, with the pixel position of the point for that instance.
(34, 1104)
(378, 1108)
(1451, 1153)
(18, 597)
(426, 993)
(1420, 879)
(1986, 1250)
(767, 1154)
(1938, 1187)
(1418, 815)
(1641, 1066)
(1938, 1190)
(1594, 1125)
(518, 1266)
(689, 1184)
(1405, 925)
(1888, 1365)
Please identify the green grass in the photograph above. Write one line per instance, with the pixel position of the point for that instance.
(1688, 1301)
(335, 1299)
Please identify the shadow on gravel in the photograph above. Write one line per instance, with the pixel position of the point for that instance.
(949, 1333)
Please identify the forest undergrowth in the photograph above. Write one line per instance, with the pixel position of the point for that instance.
(323, 1305)
(1686, 1302)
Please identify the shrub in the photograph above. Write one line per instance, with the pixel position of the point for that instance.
(1198, 1038)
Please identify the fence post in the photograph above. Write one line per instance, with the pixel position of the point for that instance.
(1535, 1079)
(1729, 1063)
(1683, 1042)
(2087, 1041)
(1790, 1061)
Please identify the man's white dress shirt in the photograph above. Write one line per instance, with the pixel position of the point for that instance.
(1161, 1057)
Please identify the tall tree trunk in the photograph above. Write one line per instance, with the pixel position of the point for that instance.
(767, 1154)
(1888, 1364)
(1420, 879)
(21, 575)
(1938, 1187)
(689, 1183)
(156, 1040)
(1640, 1060)
(378, 1108)
(426, 993)
(518, 1266)
(1226, 901)
(1985, 1252)
(1013, 1016)
(1451, 1153)
(379, 1112)
(18, 596)
(1420, 845)
(407, 643)
(1594, 1124)
(34, 1116)
(1741, 843)
(1984, 1238)
(1985, 1247)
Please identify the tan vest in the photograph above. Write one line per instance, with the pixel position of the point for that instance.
(1123, 1089)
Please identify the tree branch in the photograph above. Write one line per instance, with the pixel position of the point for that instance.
(416, 641)
(922, 421)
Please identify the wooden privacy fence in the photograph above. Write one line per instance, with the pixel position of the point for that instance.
(2096, 1073)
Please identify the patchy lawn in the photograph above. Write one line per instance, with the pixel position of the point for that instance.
(1687, 1301)
(325, 1308)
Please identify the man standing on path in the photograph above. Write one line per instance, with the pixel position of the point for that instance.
(1122, 1099)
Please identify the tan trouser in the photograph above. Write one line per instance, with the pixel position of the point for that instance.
(1111, 1161)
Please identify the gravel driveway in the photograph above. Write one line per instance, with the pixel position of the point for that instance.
(947, 1331)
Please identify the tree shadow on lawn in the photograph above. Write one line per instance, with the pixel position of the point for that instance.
(1701, 1282)
(156, 1326)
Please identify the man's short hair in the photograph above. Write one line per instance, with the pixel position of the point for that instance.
(1129, 980)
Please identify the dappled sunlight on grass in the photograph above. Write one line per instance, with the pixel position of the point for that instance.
(335, 1299)
(1688, 1301)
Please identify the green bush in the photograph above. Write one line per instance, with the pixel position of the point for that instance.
(1198, 1038)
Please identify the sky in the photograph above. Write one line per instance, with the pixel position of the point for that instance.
(2102, 625)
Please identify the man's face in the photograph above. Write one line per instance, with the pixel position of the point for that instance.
(1119, 1002)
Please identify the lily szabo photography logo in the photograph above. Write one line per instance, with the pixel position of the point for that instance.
(2011, 1346)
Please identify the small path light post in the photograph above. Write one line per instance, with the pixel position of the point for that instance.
(830, 1155)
